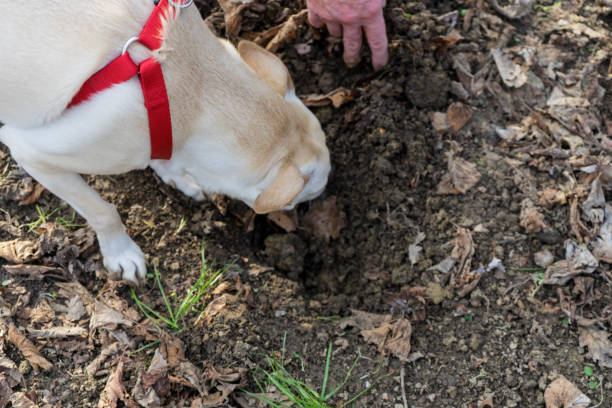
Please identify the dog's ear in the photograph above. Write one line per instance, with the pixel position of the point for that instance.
(288, 183)
(267, 66)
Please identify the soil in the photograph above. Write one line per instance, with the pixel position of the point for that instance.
(500, 345)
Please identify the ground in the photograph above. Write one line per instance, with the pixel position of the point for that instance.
(461, 172)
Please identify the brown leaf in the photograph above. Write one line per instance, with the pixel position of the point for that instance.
(34, 195)
(336, 98)
(531, 219)
(387, 334)
(18, 252)
(325, 219)
(114, 390)
(152, 384)
(550, 196)
(461, 176)
(463, 279)
(217, 305)
(287, 32)
(28, 349)
(105, 316)
(21, 400)
(458, 115)
(58, 332)
(287, 220)
(232, 11)
(108, 351)
(37, 272)
(599, 345)
(563, 394)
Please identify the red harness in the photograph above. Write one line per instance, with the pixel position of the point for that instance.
(151, 78)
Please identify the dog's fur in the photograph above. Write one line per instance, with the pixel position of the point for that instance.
(238, 127)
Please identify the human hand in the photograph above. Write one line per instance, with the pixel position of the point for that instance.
(347, 19)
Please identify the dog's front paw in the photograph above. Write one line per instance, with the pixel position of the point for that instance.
(123, 258)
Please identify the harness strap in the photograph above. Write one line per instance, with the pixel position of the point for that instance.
(123, 68)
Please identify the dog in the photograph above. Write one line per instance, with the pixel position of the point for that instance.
(237, 126)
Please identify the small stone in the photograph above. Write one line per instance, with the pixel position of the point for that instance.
(475, 342)
(543, 258)
(280, 313)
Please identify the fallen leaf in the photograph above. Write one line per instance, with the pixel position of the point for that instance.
(76, 309)
(287, 32)
(602, 246)
(58, 332)
(18, 252)
(463, 279)
(511, 73)
(20, 400)
(550, 197)
(458, 115)
(232, 13)
(114, 390)
(563, 394)
(34, 195)
(599, 345)
(37, 272)
(336, 98)
(28, 349)
(530, 218)
(108, 351)
(215, 306)
(461, 176)
(104, 316)
(287, 220)
(440, 122)
(388, 334)
(325, 219)
(578, 260)
(154, 384)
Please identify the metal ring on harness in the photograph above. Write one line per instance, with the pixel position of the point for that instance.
(128, 43)
(180, 4)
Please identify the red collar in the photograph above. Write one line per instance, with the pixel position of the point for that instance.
(151, 78)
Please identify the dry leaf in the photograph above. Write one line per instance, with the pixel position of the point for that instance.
(325, 219)
(531, 219)
(216, 306)
(602, 247)
(336, 98)
(76, 309)
(28, 349)
(599, 345)
(37, 272)
(232, 12)
(458, 115)
(106, 352)
(578, 260)
(152, 383)
(550, 196)
(104, 316)
(440, 123)
(20, 400)
(18, 252)
(287, 220)
(461, 176)
(58, 332)
(563, 394)
(463, 279)
(287, 32)
(114, 390)
(388, 334)
(511, 73)
(34, 195)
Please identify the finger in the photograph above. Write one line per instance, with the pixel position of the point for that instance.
(334, 29)
(314, 19)
(376, 33)
(352, 39)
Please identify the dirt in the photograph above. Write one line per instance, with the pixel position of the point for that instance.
(502, 342)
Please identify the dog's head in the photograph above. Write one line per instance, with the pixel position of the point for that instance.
(254, 139)
(295, 168)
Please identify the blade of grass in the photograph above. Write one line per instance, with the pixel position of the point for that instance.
(326, 374)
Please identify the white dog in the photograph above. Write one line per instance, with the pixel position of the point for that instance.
(238, 128)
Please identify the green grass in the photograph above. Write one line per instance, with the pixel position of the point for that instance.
(176, 311)
(44, 216)
(298, 393)
(538, 280)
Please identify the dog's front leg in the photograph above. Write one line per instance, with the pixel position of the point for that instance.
(122, 257)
